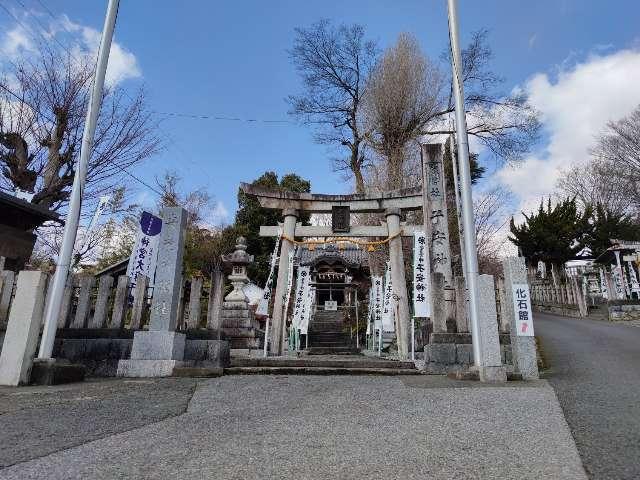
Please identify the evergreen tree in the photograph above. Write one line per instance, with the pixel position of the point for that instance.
(553, 235)
(251, 215)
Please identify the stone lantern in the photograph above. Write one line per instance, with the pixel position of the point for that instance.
(237, 319)
(238, 261)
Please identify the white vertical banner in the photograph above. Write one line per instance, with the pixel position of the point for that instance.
(145, 253)
(617, 282)
(302, 287)
(263, 306)
(635, 286)
(603, 285)
(289, 284)
(377, 301)
(104, 200)
(370, 310)
(388, 307)
(522, 310)
(421, 287)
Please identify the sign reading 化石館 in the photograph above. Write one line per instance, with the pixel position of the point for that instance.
(145, 253)
(522, 310)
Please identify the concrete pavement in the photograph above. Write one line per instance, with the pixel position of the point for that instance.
(308, 427)
(595, 371)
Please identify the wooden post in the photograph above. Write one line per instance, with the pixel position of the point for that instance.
(84, 301)
(194, 302)
(102, 302)
(120, 303)
(139, 301)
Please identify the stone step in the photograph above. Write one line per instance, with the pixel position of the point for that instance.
(338, 350)
(317, 371)
(198, 372)
(355, 362)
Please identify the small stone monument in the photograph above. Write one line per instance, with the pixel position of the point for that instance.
(237, 319)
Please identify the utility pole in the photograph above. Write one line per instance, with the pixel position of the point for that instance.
(73, 215)
(468, 222)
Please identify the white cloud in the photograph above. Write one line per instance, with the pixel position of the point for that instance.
(575, 107)
(219, 215)
(81, 40)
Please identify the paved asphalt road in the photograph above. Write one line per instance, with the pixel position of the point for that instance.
(595, 371)
(276, 427)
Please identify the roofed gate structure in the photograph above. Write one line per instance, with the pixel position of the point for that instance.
(292, 204)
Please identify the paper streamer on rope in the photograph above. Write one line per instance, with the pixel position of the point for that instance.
(307, 309)
(388, 307)
(263, 306)
(378, 292)
(420, 282)
(302, 292)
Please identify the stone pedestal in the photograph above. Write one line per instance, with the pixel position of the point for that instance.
(239, 325)
(21, 337)
(154, 354)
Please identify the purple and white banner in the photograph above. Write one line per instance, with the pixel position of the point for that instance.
(145, 253)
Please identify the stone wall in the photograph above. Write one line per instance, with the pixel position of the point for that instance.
(453, 352)
(623, 311)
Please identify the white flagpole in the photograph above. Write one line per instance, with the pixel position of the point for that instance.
(71, 222)
(468, 222)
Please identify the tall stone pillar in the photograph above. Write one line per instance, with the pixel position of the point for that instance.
(398, 280)
(289, 230)
(523, 347)
(21, 338)
(490, 369)
(156, 352)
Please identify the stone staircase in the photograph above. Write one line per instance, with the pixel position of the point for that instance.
(327, 336)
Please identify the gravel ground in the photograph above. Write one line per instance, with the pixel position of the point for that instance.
(595, 371)
(245, 427)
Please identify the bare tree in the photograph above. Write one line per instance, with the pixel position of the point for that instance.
(598, 181)
(334, 64)
(196, 202)
(620, 143)
(492, 217)
(43, 102)
(506, 124)
(403, 95)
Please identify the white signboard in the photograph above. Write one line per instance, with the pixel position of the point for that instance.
(144, 255)
(302, 293)
(388, 306)
(263, 306)
(377, 301)
(522, 310)
(330, 305)
(420, 282)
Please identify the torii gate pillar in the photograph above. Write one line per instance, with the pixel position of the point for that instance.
(397, 279)
(289, 230)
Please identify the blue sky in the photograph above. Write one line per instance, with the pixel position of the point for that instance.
(229, 59)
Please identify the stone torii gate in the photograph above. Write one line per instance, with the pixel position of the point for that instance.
(292, 204)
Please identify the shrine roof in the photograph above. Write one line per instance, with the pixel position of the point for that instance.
(352, 256)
